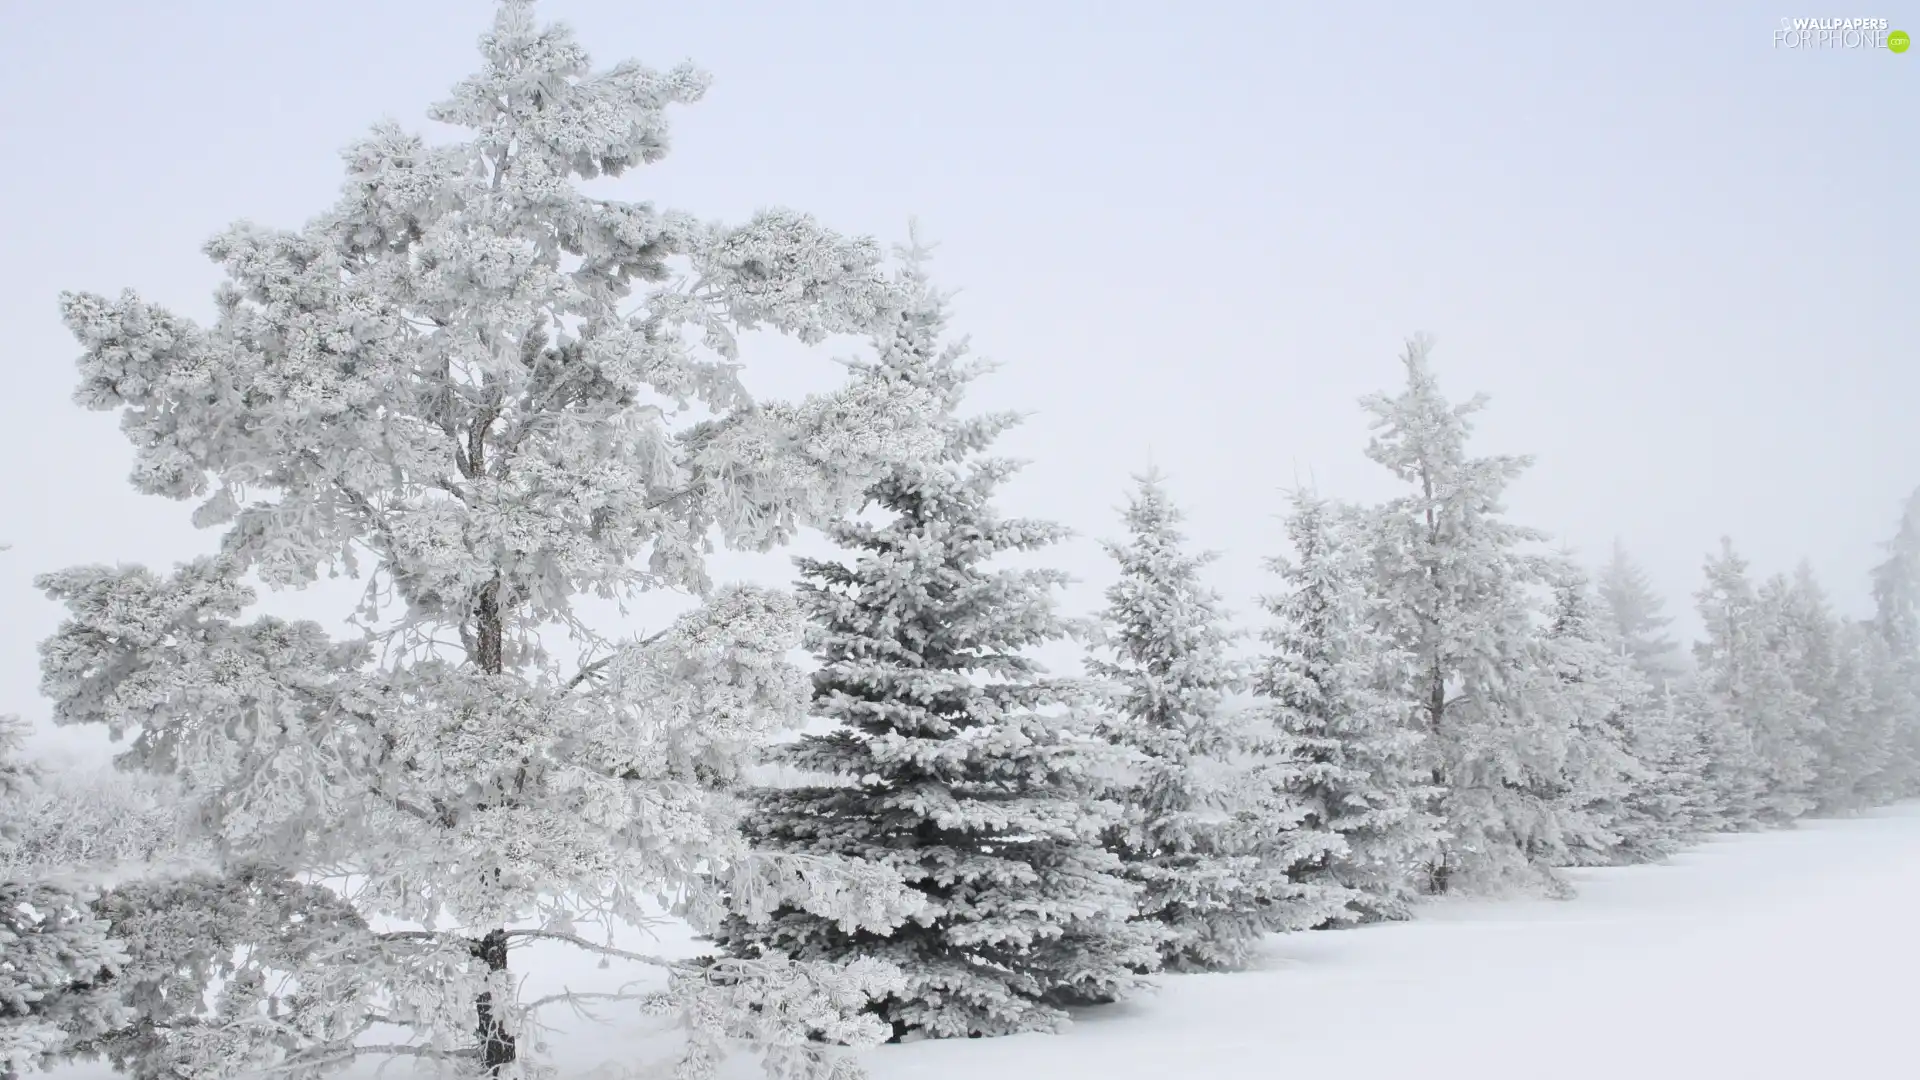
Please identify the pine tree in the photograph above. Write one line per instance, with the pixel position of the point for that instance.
(1636, 617)
(1214, 856)
(487, 392)
(956, 762)
(1335, 688)
(1599, 696)
(1457, 590)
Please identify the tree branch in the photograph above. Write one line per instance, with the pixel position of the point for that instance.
(588, 671)
(298, 1062)
(574, 996)
(604, 950)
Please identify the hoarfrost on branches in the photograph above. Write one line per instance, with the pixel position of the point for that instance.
(1212, 833)
(1457, 588)
(486, 393)
(1338, 692)
(956, 762)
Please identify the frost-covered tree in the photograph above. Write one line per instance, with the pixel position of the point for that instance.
(16, 773)
(1215, 855)
(488, 392)
(1335, 688)
(56, 960)
(1884, 711)
(203, 985)
(955, 762)
(92, 818)
(56, 954)
(1796, 638)
(1806, 633)
(1759, 722)
(1896, 595)
(1457, 590)
(1859, 716)
(1636, 616)
(1588, 683)
(1896, 584)
(1673, 802)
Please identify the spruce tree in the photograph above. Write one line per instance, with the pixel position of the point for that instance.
(1795, 664)
(1601, 698)
(1896, 584)
(956, 761)
(57, 955)
(1635, 613)
(1808, 636)
(1673, 802)
(1458, 590)
(1856, 745)
(1884, 712)
(1757, 720)
(1213, 855)
(1335, 688)
(1896, 597)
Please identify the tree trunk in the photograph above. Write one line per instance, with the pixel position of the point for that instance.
(498, 1049)
(1438, 872)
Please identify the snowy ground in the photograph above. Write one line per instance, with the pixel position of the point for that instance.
(1789, 955)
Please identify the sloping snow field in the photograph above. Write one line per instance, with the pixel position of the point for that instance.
(1790, 954)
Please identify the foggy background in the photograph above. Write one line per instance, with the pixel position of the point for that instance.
(1673, 254)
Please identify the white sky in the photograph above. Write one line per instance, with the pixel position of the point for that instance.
(1670, 251)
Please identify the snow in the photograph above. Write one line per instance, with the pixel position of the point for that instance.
(1754, 956)
(1779, 954)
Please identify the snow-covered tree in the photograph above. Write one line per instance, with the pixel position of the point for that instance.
(1457, 590)
(1859, 714)
(1336, 689)
(202, 985)
(956, 762)
(1806, 634)
(16, 773)
(1590, 687)
(1878, 743)
(1896, 595)
(1796, 636)
(56, 954)
(1896, 584)
(487, 392)
(56, 959)
(1673, 802)
(1636, 616)
(1760, 723)
(1214, 854)
(92, 818)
